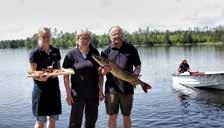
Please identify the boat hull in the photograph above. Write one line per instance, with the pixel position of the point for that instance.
(209, 80)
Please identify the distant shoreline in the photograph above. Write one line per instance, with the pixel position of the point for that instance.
(155, 45)
(141, 37)
(187, 44)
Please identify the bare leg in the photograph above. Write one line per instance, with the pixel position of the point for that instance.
(112, 121)
(51, 123)
(39, 125)
(127, 121)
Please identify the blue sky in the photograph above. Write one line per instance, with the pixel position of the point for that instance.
(23, 18)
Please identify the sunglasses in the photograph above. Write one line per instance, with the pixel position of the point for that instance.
(84, 38)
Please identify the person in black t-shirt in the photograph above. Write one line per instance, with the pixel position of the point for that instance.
(86, 83)
(118, 93)
(46, 98)
(184, 67)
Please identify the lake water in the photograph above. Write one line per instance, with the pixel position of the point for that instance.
(162, 107)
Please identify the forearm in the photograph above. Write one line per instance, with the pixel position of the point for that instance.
(179, 69)
(33, 68)
(188, 69)
(67, 84)
(59, 65)
(101, 80)
(38, 79)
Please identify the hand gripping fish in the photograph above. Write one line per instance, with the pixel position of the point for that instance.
(120, 73)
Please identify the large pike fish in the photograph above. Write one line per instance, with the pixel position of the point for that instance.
(120, 73)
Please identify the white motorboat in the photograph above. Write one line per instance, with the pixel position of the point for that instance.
(207, 80)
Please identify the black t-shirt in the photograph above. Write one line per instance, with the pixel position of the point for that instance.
(85, 80)
(126, 58)
(43, 60)
(183, 67)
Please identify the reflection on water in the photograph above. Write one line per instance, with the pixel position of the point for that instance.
(162, 107)
(209, 96)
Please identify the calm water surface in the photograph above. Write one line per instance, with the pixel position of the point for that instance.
(162, 107)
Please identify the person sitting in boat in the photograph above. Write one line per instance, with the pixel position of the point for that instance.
(184, 67)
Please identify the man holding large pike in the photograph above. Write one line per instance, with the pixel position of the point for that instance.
(121, 77)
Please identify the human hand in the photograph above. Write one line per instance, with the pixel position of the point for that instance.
(105, 69)
(69, 100)
(101, 95)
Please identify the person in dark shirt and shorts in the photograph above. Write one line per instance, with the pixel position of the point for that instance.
(118, 93)
(86, 83)
(46, 98)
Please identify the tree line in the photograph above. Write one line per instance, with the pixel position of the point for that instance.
(142, 36)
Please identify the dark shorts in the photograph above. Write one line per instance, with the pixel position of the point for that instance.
(114, 101)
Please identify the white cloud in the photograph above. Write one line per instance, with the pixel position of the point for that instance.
(22, 18)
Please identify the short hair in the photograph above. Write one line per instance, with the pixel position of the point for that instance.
(184, 60)
(116, 26)
(81, 32)
(44, 30)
